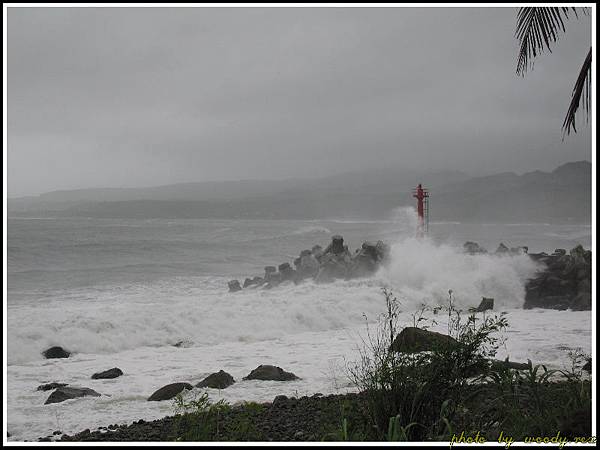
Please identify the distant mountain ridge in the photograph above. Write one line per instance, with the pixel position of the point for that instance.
(561, 195)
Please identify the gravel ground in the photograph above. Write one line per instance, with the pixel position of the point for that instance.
(314, 418)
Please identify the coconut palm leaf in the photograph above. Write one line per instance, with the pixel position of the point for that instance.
(582, 89)
(537, 28)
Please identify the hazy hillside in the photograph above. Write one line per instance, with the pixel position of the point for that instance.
(558, 196)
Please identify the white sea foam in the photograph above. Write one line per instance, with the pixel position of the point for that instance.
(309, 329)
(199, 309)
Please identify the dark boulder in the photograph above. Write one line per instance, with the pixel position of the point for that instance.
(486, 304)
(183, 344)
(234, 286)
(248, 282)
(413, 340)
(564, 282)
(337, 245)
(365, 262)
(50, 386)
(273, 280)
(169, 391)
(110, 373)
(287, 273)
(56, 352)
(66, 393)
(217, 380)
(333, 267)
(268, 372)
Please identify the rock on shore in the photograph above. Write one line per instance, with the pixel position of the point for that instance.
(169, 391)
(268, 372)
(66, 393)
(218, 380)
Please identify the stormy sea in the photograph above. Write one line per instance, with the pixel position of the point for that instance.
(124, 292)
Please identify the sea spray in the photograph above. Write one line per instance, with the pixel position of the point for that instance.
(422, 272)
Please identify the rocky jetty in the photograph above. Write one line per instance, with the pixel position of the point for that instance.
(564, 280)
(322, 266)
(564, 283)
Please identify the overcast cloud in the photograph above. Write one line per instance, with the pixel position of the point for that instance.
(124, 97)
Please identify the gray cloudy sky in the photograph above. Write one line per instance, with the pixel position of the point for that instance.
(120, 97)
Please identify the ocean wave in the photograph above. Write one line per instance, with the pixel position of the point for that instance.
(311, 229)
(200, 310)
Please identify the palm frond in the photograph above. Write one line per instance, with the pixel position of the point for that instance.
(582, 89)
(537, 28)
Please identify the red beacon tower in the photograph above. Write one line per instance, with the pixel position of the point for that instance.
(422, 196)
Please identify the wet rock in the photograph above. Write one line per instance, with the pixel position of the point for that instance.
(66, 393)
(273, 280)
(234, 286)
(286, 271)
(110, 373)
(309, 265)
(368, 259)
(268, 372)
(337, 245)
(183, 344)
(413, 340)
(473, 248)
(169, 391)
(217, 380)
(248, 282)
(486, 304)
(56, 352)
(565, 281)
(269, 270)
(50, 386)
